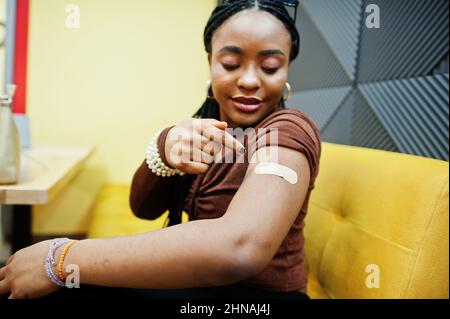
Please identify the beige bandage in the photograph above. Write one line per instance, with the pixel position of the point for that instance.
(278, 170)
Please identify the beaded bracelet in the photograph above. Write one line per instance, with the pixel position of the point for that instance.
(57, 243)
(52, 276)
(62, 258)
(154, 161)
(50, 261)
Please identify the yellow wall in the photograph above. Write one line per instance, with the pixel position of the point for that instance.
(131, 68)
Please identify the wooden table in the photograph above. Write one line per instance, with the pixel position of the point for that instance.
(44, 172)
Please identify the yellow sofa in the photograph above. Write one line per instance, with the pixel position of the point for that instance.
(378, 213)
(377, 225)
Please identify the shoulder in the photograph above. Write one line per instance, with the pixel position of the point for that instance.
(292, 118)
(293, 125)
(293, 129)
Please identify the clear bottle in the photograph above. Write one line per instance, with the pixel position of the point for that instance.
(9, 140)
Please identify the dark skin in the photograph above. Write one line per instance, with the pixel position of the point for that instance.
(250, 57)
(251, 72)
(234, 247)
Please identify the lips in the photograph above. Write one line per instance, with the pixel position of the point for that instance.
(248, 101)
(245, 104)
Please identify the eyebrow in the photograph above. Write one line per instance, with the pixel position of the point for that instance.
(239, 51)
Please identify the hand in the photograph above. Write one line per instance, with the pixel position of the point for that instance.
(207, 136)
(24, 275)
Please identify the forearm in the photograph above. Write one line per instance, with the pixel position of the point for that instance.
(149, 194)
(193, 254)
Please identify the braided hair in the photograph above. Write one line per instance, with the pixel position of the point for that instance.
(210, 108)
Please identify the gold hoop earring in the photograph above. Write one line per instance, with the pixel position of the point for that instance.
(208, 88)
(289, 92)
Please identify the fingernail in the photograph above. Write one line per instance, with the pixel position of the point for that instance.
(242, 150)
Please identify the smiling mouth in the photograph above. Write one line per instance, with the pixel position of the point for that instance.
(247, 101)
(247, 105)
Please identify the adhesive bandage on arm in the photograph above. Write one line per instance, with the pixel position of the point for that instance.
(267, 168)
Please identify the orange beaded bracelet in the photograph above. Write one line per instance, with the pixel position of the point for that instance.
(61, 260)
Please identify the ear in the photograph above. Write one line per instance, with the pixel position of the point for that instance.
(209, 59)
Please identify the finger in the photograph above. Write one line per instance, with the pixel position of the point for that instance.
(197, 140)
(212, 133)
(213, 148)
(195, 155)
(207, 158)
(200, 124)
(233, 143)
(227, 140)
(214, 121)
(202, 155)
(215, 134)
(221, 125)
(200, 140)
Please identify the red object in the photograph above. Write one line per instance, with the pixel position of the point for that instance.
(20, 56)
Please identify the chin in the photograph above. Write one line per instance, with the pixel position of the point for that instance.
(245, 120)
(239, 118)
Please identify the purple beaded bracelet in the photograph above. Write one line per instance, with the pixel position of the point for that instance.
(50, 260)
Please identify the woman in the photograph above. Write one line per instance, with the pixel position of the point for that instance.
(244, 238)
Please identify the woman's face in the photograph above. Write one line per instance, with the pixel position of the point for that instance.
(250, 59)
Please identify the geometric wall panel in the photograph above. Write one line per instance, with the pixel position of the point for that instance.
(397, 96)
(383, 88)
(320, 105)
(317, 66)
(414, 112)
(367, 130)
(412, 40)
(339, 128)
(338, 23)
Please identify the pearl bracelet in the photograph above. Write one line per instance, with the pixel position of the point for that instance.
(154, 161)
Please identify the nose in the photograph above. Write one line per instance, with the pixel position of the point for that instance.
(249, 80)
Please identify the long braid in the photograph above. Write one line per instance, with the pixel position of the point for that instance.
(210, 108)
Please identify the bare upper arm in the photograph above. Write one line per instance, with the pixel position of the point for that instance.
(265, 206)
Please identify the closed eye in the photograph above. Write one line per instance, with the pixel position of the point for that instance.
(230, 67)
(270, 70)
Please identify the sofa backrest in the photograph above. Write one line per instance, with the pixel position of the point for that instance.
(377, 226)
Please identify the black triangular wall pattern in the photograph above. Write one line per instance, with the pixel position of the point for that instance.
(401, 85)
(317, 67)
(414, 111)
(338, 22)
(367, 130)
(339, 129)
(397, 97)
(411, 40)
(320, 105)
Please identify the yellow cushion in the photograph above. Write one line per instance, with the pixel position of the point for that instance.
(368, 208)
(378, 208)
(112, 215)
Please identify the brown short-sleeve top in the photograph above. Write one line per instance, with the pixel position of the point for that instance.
(211, 193)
